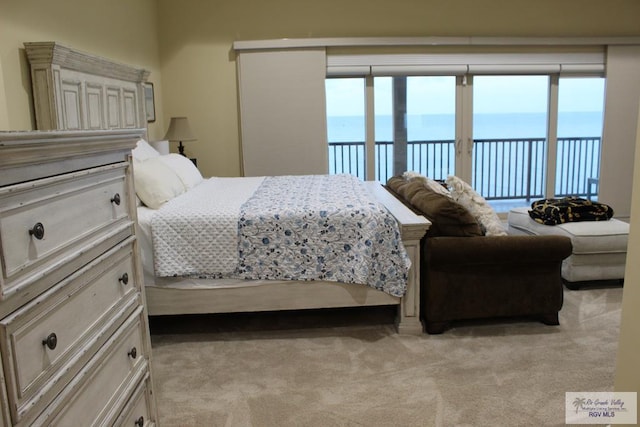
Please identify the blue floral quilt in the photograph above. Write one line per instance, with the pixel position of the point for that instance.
(320, 227)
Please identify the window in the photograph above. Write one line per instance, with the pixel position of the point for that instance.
(517, 127)
(425, 122)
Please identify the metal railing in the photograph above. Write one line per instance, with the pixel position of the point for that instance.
(509, 168)
(578, 166)
(503, 169)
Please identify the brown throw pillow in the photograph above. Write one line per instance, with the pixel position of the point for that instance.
(448, 217)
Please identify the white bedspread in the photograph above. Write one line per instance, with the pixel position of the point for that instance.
(197, 232)
(274, 228)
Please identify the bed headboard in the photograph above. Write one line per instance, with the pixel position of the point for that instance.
(74, 90)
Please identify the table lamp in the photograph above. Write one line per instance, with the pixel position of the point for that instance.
(179, 130)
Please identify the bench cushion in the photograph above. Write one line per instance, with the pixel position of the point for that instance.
(599, 247)
(587, 237)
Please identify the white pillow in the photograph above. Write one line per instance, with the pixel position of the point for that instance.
(464, 194)
(144, 151)
(411, 174)
(156, 183)
(431, 184)
(184, 168)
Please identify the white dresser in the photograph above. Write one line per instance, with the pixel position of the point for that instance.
(74, 334)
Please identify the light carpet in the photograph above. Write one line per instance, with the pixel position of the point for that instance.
(350, 367)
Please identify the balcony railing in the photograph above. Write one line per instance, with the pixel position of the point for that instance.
(509, 169)
(503, 169)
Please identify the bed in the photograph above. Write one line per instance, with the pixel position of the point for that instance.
(77, 90)
(204, 246)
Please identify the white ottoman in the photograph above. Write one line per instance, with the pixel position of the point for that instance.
(599, 247)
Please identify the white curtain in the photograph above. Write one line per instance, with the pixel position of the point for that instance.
(283, 111)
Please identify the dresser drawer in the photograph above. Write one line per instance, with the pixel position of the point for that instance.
(138, 411)
(49, 339)
(47, 222)
(105, 384)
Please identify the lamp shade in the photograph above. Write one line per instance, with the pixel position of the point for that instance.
(179, 130)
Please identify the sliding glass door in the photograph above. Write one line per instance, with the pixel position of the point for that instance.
(580, 124)
(515, 138)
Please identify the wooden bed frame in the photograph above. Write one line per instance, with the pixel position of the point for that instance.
(263, 295)
(77, 90)
(74, 90)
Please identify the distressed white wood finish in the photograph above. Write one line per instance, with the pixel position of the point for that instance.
(247, 296)
(94, 298)
(90, 216)
(75, 90)
(412, 227)
(5, 420)
(71, 282)
(138, 407)
(106, 382)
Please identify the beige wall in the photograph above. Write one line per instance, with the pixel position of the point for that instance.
(122, 30)
(627, 372)
(619, 135)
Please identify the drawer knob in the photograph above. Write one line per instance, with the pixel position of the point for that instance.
(133, 353)
(124, 279)
(37, 231)
(51, 341)
(116, 199)
(139, 422)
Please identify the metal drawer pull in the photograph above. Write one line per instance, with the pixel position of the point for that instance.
(116, 199)
(51, 341)
(37, 231)
(124, 279)
(139, 422)
(133, 353)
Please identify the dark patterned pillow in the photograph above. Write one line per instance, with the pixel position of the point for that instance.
(568, 209)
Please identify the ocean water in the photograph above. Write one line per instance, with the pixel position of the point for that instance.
(485, 126)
